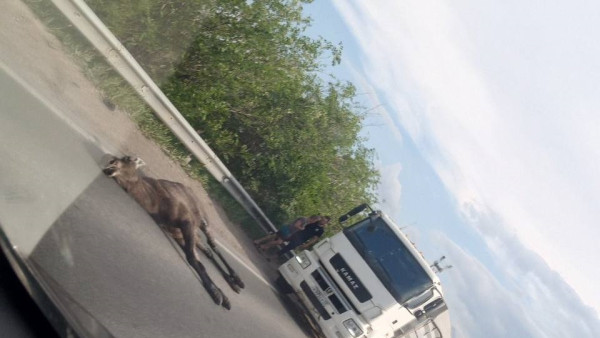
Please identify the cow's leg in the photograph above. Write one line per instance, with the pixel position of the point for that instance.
(232, 277)
(226, 275)
(177, 235)
(189, 248)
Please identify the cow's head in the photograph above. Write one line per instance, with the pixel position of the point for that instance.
(125, 167)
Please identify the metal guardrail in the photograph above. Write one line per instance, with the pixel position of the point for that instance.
(90, 26)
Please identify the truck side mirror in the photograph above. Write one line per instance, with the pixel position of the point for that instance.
(353, 212)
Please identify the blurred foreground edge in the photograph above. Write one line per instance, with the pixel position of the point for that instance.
(66, 316)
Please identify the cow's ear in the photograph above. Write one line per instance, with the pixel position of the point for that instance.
(139, 162)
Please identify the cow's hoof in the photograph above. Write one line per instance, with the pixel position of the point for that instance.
(232, 283)
(226, 304)
(238, 281)
(216, 294)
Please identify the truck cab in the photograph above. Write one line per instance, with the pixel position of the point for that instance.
(369, 280)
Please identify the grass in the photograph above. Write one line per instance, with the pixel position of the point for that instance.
(118, 92)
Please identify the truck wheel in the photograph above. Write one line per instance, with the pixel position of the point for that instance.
(283, 286)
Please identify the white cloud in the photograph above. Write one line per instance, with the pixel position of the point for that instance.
(504, 105)
(556, 307)
(390, 189)
(533, 301)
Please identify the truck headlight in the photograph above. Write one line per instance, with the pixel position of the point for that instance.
(303, 260)
(353, 328)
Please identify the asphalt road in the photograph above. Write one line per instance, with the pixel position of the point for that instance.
(96, 247)
(110, 257)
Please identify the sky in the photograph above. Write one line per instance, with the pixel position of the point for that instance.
(485, 118)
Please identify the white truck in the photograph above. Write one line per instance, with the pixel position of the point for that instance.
(368, 280)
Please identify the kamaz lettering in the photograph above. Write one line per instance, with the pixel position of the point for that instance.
(349, 278)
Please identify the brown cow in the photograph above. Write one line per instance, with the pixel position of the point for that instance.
(173, 206)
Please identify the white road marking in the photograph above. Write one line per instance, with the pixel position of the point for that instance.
(249, 268)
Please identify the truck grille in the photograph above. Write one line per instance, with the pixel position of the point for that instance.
(314, 300)
(337, 303)
(320, 280)
(330, 290)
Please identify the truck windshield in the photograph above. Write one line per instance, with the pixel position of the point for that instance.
(390, 259)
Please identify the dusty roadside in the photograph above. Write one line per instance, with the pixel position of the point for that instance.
(36, 56)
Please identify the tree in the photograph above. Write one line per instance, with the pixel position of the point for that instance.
(256, 88)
